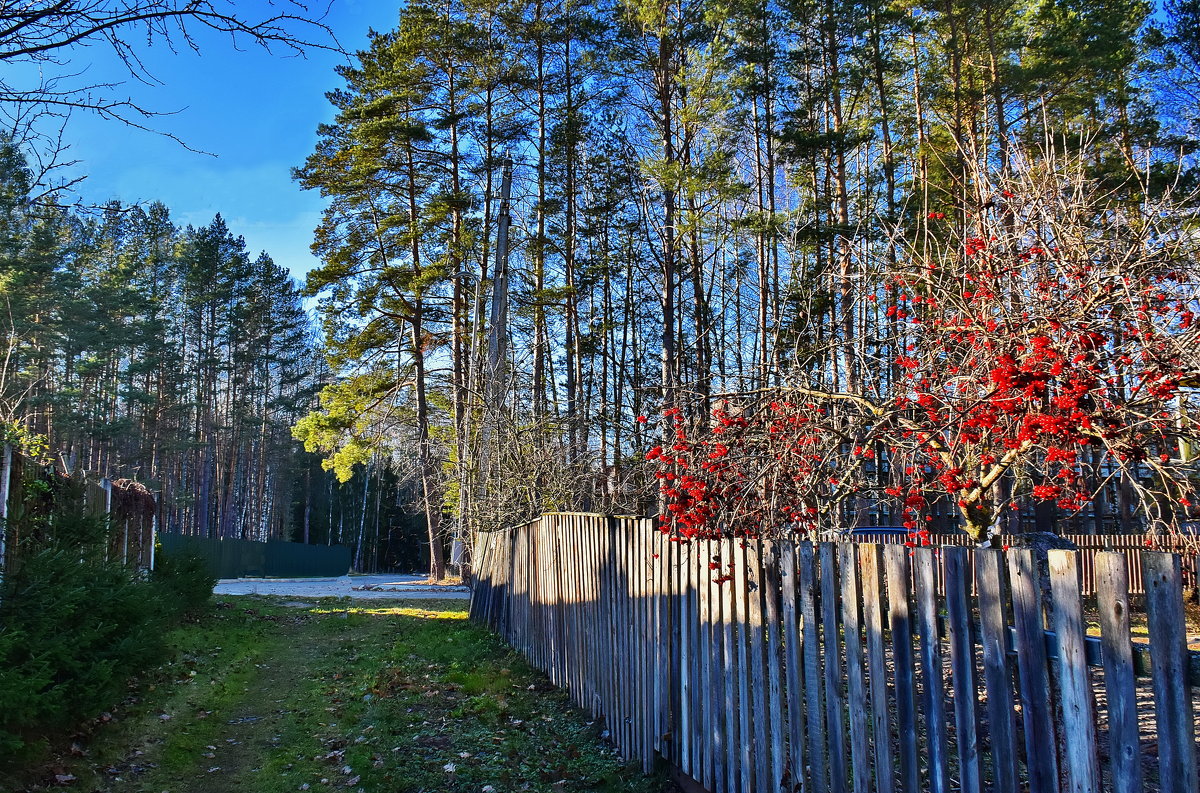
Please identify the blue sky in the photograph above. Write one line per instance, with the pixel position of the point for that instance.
(255, 111)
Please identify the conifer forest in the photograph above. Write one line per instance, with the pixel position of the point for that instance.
(757, 265)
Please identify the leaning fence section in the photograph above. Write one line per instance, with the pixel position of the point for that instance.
(836, 667)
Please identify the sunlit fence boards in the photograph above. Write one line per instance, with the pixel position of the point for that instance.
(851, 666)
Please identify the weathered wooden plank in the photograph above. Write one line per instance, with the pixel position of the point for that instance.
(731, 672)
(612, 705)
(1037, 713)
(774, 662)
(835, 697)
(636, 670)
(933, 705)
(675, 610)
(899, 584)
(870, 562)
(586, 570)
(580, 603)
(554, 606)
(707, 690)
(549, 565)
(1112, 601)
(856, 684)
(758, 676)
(793, 662)
(557, 606)
(962, 668)
(638, 580)
(997, 676)
(629, 652)
(745, 702)
(661, 650)
(700, 723)
(715, 766)
(595, 606)
(687, 649)
(1162, 578)
(644, 575)
(566, 655)
(695, 727)
(811, 647)
(1075, 690)
(479, 577)
(537, 619)
(520, 601)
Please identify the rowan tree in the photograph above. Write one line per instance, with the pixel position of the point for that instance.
(1045, 352)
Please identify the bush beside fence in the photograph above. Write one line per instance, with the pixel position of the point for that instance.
(76, 624)
(833, 667)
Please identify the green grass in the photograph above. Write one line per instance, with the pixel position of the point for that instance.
(386, 696)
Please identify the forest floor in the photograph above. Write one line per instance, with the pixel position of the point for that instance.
(271, 695)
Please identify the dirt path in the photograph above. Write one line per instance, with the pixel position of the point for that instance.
(233, 762)
(270, 695)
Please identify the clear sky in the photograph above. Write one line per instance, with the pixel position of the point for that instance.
(257, 112)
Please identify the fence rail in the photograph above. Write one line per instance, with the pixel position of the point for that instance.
(1089, 545)
(833, 667)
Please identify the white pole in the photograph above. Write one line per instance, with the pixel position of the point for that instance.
(5, 476)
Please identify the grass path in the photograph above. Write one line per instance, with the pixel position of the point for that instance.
(382, 696)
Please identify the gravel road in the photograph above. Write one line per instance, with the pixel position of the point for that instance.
(359, 586)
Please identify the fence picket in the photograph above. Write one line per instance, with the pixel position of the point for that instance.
(774, 642)
(870, 558)
(835, 698)
(1112, 600)
(962, 668)
(900, 622)
(997, 674)
(1074, 687)
(707, 712)
(814, 693)
(1161, 576)
(745, 713)
(933, 705)
(758, 677)
(733, 737)
(1041, 762)
(793, 663)
(856, 684)
(662, 676)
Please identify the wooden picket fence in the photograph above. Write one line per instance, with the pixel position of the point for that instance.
(833, 667)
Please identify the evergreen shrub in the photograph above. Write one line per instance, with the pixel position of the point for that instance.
(74, 628)
(184, 581)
